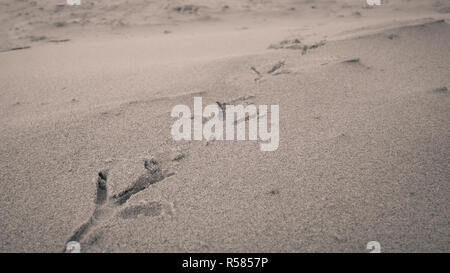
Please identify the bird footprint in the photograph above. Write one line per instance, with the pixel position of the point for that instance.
(106, 207)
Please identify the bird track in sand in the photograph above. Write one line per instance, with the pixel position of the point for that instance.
(107, 207)
(275, 70)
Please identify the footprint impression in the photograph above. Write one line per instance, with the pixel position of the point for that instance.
(109, 206)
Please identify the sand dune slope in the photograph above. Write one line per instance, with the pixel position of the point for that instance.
(364, 144)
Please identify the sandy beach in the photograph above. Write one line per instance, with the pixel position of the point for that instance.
(87, 155)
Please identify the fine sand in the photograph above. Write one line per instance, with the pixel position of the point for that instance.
(87, 155)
